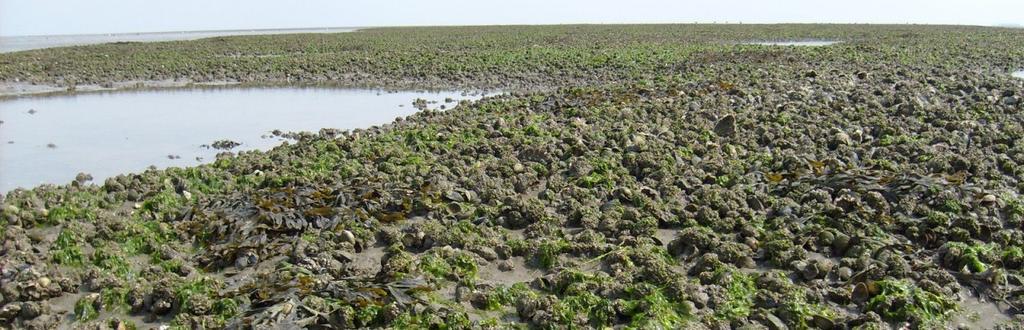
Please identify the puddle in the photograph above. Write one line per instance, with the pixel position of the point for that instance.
(808, 43)
(666, 236)
(978, 314)
(50, 139)
(1019, 74)
(520, 273)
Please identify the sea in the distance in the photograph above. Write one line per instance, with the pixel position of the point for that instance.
(19, 43)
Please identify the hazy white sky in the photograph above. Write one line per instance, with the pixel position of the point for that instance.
(40, 17)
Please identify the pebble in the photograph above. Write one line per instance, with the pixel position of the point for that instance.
(347, 236)
(845, 273)
(506, 266)
(485, 252)
(9, 312)
(726, 127)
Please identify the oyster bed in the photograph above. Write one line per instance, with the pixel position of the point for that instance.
(874, 183)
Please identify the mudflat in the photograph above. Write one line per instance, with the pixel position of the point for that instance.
(643, 176)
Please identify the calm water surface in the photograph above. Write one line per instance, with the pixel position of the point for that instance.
(105, 134)
(1019, 74)
(19, 43)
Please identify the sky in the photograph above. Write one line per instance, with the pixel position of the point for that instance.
(56, 17)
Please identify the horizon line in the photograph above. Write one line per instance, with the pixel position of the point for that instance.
(356, 28)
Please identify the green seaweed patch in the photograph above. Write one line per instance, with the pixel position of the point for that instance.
(74, 206)
(548, 251)
(186, 293)
(740, 292)
(226, 308)
(796, 304)
(114, 299)
(453, 266)
(201, 179)
(502, 296)
(163, 202)
(85, 309)
(972, 256)
(451, 320)
(599, 311)
(63, 213)
(66, 250)
(110, 259)
(655, 310)
(901, 300)
(143, 236)
(367, 315)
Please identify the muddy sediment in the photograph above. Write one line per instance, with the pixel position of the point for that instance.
(747, 189)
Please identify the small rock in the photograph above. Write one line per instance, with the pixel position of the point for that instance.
(454, 196)
(518, 168)
(823, 322)
(774, 323)
(246, 259)
(228, 144)
(36, 236)
(989, 199)
(842, 139)
(841, 242)
(51, 146)
(347, 236)
(83, 177)
(32, 309)
(485, 252)
(161, 307)
(122, 325)
(32, 111)
(9, 312)
(726, 127)
(845, 273)
(506, 266)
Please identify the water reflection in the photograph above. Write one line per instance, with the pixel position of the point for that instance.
(51, 139)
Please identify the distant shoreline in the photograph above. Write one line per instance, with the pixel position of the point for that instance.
(190, 31)
(22, 43)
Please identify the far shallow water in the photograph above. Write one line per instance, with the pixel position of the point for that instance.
(20, 43)
(105, 134)
(812, 43)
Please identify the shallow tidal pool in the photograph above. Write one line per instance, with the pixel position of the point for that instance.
(1019, 74)
(50, 139)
